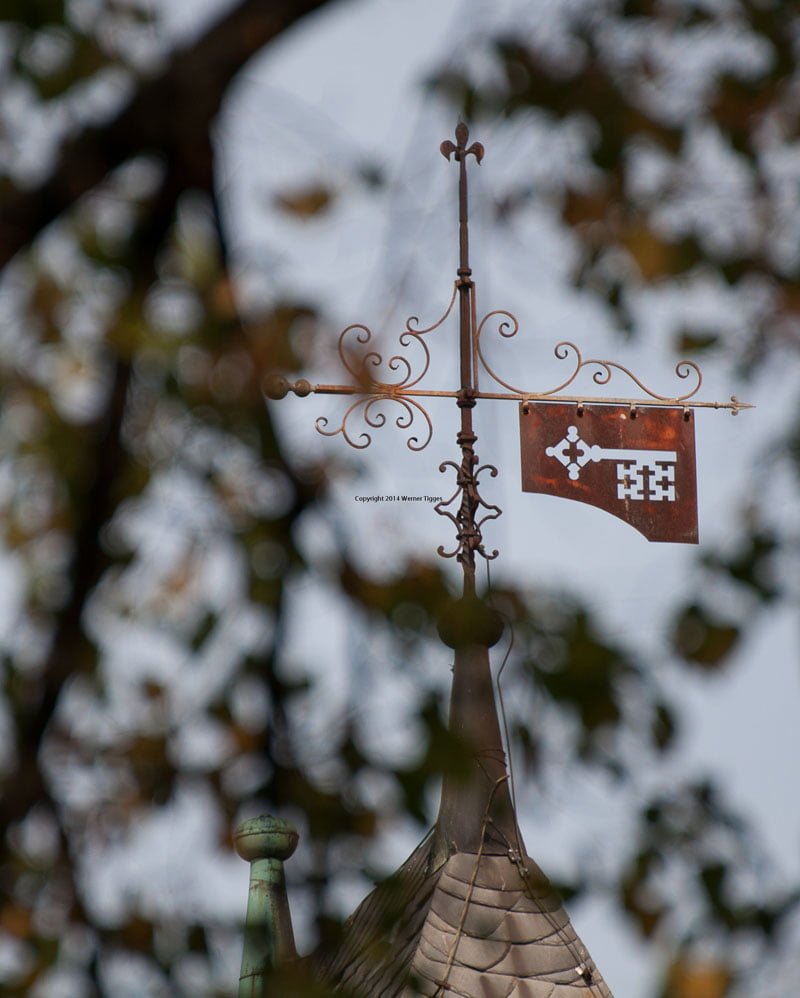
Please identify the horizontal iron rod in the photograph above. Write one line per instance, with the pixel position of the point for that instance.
(388, 392)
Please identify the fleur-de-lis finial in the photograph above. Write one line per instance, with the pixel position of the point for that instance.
(459, 147)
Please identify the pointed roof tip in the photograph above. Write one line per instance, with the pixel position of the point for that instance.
(469, 914)
(495, 926)
(478, 926)
(476, 808)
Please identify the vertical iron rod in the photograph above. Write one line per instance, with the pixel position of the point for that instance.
(468, 535)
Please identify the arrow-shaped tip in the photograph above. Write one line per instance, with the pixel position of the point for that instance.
(736, 405)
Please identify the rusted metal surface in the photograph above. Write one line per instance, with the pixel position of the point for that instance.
(602, 370)
(638, 464)
(277, 387)
(467, 520)
(381, 382)
(469, 505)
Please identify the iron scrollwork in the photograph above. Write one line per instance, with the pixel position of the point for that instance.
(467, 524)
(376, 419)
(397, 379)
(375, 390)
(508, 326)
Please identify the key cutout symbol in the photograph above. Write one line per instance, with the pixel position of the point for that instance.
(641, 474)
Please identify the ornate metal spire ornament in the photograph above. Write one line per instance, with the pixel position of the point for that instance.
(641, 471)
(470, 913)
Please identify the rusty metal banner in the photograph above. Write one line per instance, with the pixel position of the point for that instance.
(638, 464)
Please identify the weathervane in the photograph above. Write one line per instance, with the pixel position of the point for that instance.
(633, 457)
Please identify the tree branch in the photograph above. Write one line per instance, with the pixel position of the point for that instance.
(165, 116)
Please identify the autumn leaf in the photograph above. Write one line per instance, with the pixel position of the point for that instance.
(688, 980)
(305, 202)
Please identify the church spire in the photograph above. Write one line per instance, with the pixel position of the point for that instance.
(468, 914)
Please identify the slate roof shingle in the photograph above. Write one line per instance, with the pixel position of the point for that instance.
(468, 915)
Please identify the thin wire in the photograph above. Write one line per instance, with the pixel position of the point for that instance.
(503, 717)
(517, 856)
(443, 983)
(571, 945)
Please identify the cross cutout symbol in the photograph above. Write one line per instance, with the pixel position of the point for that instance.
(575, 448)
(645, 474)
(573, 452)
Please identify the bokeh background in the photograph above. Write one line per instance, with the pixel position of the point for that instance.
(199, 622)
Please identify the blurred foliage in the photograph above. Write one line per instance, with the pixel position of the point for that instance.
(703, 639)
(651, 202)
(306, 201)
(697, 981)
(150, 515)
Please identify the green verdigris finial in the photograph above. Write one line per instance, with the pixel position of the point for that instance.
(265, 842)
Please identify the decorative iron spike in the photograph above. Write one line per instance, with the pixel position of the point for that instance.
(448, 148)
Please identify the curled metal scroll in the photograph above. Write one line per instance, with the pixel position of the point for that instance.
(467, 524)
(363, 368)
(508, 326)
(376, 419)
(369, 362)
